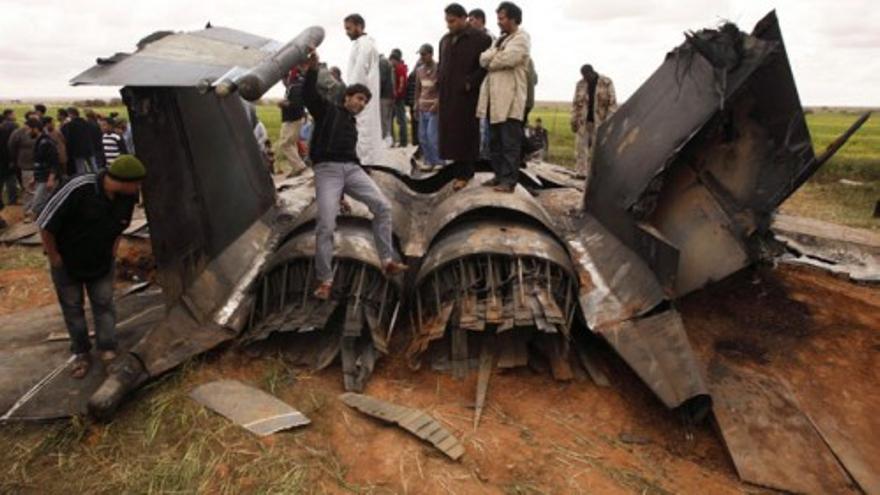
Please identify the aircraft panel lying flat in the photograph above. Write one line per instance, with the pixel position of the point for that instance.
(248, 407)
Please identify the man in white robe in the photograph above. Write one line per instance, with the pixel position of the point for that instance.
(363, 68)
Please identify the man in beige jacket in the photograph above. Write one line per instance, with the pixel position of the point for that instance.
(503, 96)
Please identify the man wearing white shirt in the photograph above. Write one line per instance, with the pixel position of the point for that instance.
(363, 68)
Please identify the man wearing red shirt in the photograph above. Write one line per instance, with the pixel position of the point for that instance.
(400, 75)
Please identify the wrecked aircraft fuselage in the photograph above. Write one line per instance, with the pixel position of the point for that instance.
(687, 176)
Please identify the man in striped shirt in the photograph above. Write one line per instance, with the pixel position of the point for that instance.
(113, 143)
(80, 227)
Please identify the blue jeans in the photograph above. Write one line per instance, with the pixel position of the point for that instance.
(332, 179)
(428, 137)
(484, 138)
(41, 197)
(72, 301)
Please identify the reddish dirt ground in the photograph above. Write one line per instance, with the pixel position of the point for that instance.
(542, 436)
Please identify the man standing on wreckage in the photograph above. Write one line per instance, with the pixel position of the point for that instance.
(338, 171)
(363, 68)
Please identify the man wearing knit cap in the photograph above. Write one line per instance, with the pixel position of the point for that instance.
(80, 227)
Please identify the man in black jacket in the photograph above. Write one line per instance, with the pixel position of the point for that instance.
(8, 179)
(47, 167)
(338, 171)
(80, 144)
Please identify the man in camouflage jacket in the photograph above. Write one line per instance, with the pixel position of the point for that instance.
(594, 102)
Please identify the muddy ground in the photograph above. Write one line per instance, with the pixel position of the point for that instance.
(536, 436)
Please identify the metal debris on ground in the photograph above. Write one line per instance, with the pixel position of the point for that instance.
(414, 421)
(248, 407)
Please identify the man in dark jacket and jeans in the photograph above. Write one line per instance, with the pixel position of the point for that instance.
(47, 167)
(338, 171)
(80, 227)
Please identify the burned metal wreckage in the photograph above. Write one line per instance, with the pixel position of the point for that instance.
(688, 174)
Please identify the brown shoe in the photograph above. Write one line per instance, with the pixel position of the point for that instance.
(504, 188)
(392, 268)
(80, 367)
(323, 290)
(459, 184)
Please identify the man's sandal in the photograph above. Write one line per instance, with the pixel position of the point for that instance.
(80, 367)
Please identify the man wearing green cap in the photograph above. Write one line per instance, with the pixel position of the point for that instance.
(80, 227)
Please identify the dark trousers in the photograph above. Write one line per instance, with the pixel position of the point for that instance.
(505, 148)
(72, 301)
(463, 170)
(414, 124)
(9, 182)
(400, 118)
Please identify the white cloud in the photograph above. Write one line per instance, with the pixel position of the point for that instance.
(833, 45)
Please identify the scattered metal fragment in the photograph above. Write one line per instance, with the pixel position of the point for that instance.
(755, 412)
(248, 407)
(487, 362)
(414, 421)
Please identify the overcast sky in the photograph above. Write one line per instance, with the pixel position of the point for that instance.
(834, 45)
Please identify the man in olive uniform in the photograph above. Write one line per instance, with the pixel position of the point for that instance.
(594, 102)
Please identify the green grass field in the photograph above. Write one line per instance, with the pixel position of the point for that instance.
(823, 197)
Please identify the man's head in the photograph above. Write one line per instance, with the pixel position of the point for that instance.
(396, 55)
(477, 19)
(539, 123)
(105, 125)
(356, 98)
(91, 115)
(509, 17)
(456, 18)
(587, 70)
(354, 26)
(9, 114)
(336, 73)
(62, 114)
(121, 126)
(40, 108)
(426, 53)
(124, 176)
(48, 123)
(34, 124)
(73, 112)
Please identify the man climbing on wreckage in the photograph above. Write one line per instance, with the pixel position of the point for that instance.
(338, 171)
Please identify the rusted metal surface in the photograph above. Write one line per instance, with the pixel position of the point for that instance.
(615, 285)
(483, 279)
(734, 140)
(656, 347)
(754, 410)
(35, 381)
(854, 253)
(354, 324)
(414, 421)
(248, 407)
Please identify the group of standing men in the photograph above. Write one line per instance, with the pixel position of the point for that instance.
(39, 155)
(475, 78)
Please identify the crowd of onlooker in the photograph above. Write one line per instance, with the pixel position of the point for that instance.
(39, 155)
